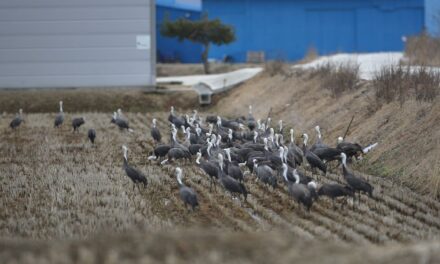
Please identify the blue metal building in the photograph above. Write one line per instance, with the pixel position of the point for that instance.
(432, 17)
(170, 49)
(288, 28)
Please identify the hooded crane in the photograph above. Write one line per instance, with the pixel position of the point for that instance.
(59, 118)
(265, 174)
(353, 149)
(312, 159)
(301, 193)
(92, 135)
(209, 168)
(16, 122)
(334, 190)
(121, 122)
(303, 179)
(229, 183)
(251, 120)
(187, 194)
(135, 175)
(77, 122)
(233, 169)
(177, 121)
(318, 143)
(294, 150)
(356, 183)
(155, 133)
(159, 151)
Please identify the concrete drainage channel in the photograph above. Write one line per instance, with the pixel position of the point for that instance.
(207, 85)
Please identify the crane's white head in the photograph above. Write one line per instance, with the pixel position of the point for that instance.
(255, 136)
(208, 150)
(254, 161)
(220, 160)
(296, 176)
(119, 111)
(250, 109)
(344, 158)
(61, 106)
(154, 122)
(285, 171)
(318, 131)
(179, 175)
(172, 110)
(340, 139)
(20, 111)
(312, 185)
(306, 138)
(125, 150)
(219, 139)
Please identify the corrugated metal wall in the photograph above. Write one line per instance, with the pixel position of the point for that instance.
(432, 17)
(286, 29)
(76, 43)
(171, 49)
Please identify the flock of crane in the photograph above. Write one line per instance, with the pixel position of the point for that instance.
(227, 150)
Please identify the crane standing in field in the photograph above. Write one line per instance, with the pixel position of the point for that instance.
(356, 183)
(91, 135)
(155, 132)
(59, 118)
(77, 122)
(135, 175)
(18, 119)
(187, 194)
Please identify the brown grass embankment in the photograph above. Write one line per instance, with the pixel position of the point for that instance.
(408, 136)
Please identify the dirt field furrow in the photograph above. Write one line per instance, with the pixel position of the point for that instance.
(58, 185)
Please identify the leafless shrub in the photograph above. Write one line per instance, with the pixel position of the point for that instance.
(338, 78)
(423, 50)
(311, 54)
(401, 82)
(277, 67)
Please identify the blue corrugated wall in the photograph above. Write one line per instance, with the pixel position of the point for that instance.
(286, 29)
(432, 16)
(170, 49)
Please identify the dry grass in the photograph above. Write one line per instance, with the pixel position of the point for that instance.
(92, 100)
(408, 137)
(338, 79)
(423, 50)
(278, 67)
(401, 83)
(196, 246)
